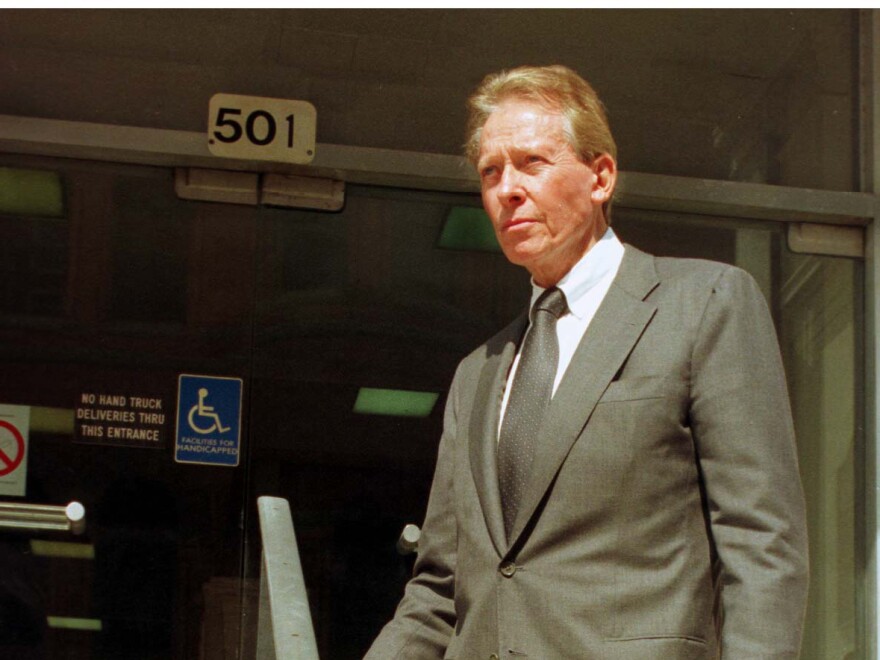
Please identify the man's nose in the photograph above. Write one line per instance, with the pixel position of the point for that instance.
(510, 188)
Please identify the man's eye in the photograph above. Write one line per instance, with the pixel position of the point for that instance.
(487, 171)
(532, 158)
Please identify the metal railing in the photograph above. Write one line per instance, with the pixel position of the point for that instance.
(284, 628)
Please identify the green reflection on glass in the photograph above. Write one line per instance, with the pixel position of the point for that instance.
(468, 228)
(62, 549)
(399, 403)
(72, 623)
(31, 192)
(52, 420)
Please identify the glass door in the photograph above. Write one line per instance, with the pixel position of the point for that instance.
(344, 330)
(112, 288)
(362, 312)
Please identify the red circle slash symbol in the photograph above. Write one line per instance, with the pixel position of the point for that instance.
(7, 464)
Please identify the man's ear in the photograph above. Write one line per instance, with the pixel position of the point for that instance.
(605, 169)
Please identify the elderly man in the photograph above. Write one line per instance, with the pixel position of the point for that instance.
(617, 476)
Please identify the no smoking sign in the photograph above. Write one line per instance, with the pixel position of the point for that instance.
(11, 453)
(14, 427)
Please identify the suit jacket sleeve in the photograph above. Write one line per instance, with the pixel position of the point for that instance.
(744, 435)
(423, 623)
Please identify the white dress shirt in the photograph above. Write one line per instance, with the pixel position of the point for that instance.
(584, 286)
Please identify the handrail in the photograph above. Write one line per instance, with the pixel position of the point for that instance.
(284, 628)
(43, 517)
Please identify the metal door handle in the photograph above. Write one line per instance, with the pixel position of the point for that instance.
(409, 539)
(43, 517)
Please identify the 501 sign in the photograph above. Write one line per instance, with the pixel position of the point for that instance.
(256, 128)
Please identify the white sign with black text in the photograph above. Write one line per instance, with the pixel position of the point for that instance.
(256, 128)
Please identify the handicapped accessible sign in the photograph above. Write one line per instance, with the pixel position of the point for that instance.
(208, 420)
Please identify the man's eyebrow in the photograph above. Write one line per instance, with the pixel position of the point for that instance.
(483, 160)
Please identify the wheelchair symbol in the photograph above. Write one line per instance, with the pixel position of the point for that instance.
(205, 412)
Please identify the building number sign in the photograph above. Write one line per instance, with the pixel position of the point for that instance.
(256, 128)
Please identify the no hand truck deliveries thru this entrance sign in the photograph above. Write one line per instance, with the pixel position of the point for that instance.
(14, 428)
(208, 420)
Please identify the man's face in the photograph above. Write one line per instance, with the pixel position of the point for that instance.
(545, 203)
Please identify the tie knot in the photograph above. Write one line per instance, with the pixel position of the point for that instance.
(553, 301)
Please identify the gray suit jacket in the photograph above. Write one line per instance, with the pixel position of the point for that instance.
(664, 519)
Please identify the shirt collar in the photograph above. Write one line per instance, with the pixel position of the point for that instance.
(601, 260)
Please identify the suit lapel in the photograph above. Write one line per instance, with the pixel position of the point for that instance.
(619, 322)
(484, 426)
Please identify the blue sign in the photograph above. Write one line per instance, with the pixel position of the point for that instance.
(208, 420)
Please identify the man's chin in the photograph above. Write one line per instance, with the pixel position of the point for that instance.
(522, 252)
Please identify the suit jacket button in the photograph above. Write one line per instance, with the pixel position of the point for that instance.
(508, 568)
(494, 656)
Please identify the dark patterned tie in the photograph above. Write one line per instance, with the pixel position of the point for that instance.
(529, 397)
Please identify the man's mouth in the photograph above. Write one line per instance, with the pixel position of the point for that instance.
(513, 223)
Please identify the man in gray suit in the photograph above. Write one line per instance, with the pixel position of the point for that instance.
(638, 498)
